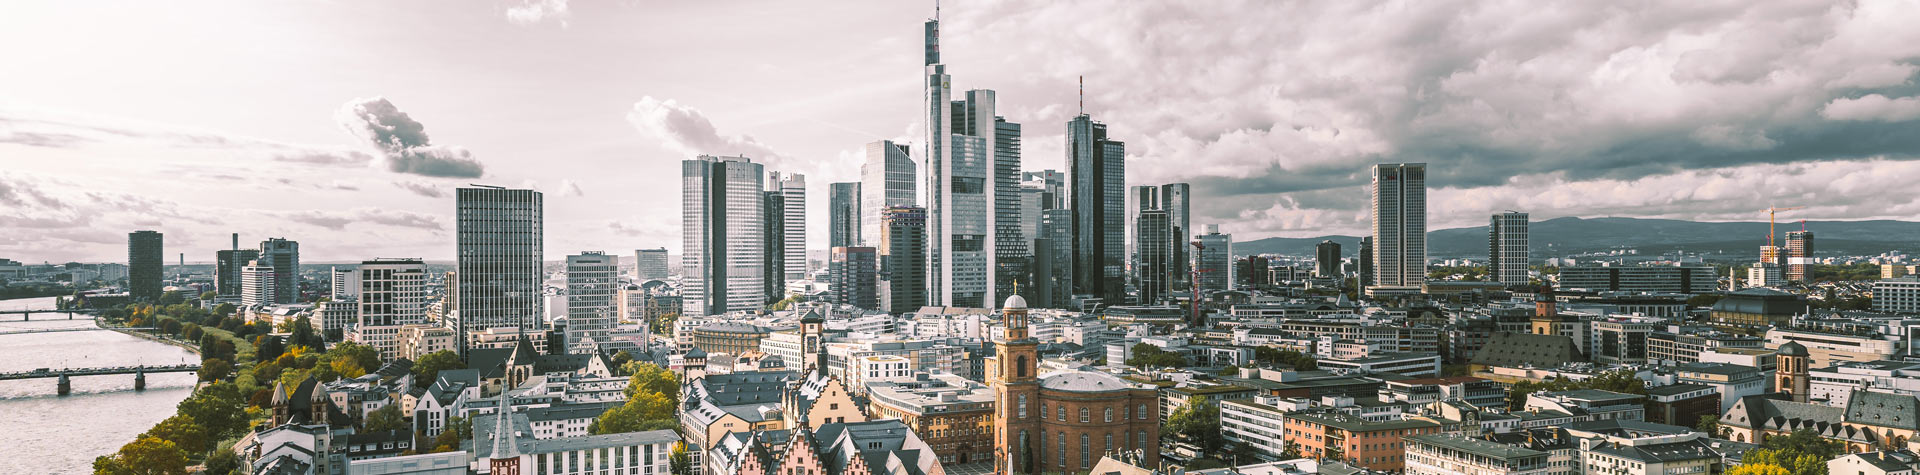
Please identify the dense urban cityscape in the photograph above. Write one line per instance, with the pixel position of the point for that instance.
(974, 310)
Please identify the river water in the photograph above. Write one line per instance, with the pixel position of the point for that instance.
(42, 432)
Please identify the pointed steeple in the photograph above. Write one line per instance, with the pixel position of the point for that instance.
(505, 444)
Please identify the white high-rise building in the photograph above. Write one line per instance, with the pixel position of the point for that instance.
(393, 293)
(593, 289)
(1214, 259)
(1507, 251)
(793, 187)
(499, 280)
(886, 179)
(284, 256)
(257, 286)
(1399, 215)
(722, 242)
(973, 195)
(346, 284)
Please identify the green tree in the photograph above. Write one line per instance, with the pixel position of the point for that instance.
(385, 419)
(1198, 422)
(1146, 355)
(146, 455)
(223, 462)
(1709, 424)
(430, 365)
(348, 356)
(1758, 469)
(183, 432)
(215, 369)
(643, 412)
(679, 463)
(1230, 370)
(220, 408)
(268, 347)
(620, 360)
(224, 310)
(458, 429)
(651, 378)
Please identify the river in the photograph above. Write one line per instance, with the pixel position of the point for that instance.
(43, 432)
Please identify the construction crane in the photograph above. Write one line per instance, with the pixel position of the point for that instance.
(1770, 212)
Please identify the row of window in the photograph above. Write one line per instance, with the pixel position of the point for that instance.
(1086, 415)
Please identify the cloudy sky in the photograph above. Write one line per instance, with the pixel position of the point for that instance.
(345, 125)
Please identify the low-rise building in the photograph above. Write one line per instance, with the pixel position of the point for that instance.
(1590, 404)
(1682, 404)
(1353, 439)
(1442, 454)
(1827, 348)
(954, 415)
(1414, 365)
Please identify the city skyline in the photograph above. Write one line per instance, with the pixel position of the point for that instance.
(1689, 117)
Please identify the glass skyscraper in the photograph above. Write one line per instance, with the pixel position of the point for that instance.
(501, 241)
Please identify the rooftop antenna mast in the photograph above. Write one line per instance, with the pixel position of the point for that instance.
(1083, 95)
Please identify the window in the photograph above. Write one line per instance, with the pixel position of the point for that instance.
(1085, 415)
(1020, 366)
(1023, 406)
(1109, 443)
(1085, 447)
(1109, 415)
(1060, 413)
(1062, 444)
(1142, 412)
(1140, 442)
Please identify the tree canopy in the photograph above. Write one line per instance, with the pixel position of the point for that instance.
(1148, 356)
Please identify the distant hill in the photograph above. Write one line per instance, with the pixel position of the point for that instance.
(1564, 236)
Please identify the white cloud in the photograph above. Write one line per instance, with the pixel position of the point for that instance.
(529, 12)
(1873, 107)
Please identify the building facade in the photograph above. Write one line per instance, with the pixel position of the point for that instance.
(146, 262)
(1213, 259)
(792, 188)
(393, 294)
(1399, 221)
(1097, 183)
(593, 290)
(843, 214)
(1507, 248)
(498, 280)
(284, 256)
(650, 264)
(723, 226)
(852, 276)
(901, 283)
(887, 178)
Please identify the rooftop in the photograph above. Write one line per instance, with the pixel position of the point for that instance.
(1475, 446)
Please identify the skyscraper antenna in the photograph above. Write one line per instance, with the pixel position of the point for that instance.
(1083, 95)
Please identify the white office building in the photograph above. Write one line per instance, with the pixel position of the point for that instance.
(346, 284)
(257, 284)
(593, 289)
(1507, 251)
(393, 293)
(1399, 220)
(1897, 295)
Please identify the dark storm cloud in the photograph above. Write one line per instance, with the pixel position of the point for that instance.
(403, 141)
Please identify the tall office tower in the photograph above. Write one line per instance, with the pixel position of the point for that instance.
(227, 265)
(257, 284)
(843, 214)
(773, 238)
(972, 154)
(345, 284)
(593, 286)
(1326, 259)
(500, 241)
(851, 276)
(1162, 252)
(650, 264)
(146, 256)
(1173, 199)
(722, 220)
(1507, 249)
(284, 256)
(1031, 193)
(1096, 176)
(903, 259)
(886, 179)
(1400, 225)
(1153, 265)
(1366, 262)
(793, 189)
(393, 293)
(1213, 259)
(1799, 254)
(1056, 227)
